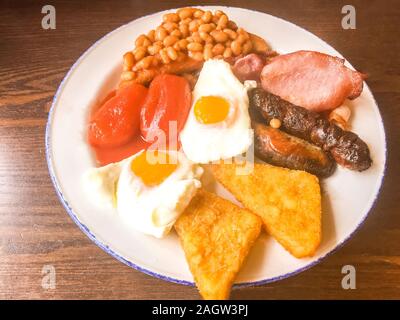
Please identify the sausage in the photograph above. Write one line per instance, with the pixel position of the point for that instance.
(346, 147)
(279, 148)
(249, 67)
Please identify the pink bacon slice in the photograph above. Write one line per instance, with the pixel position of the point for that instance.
(312, 80)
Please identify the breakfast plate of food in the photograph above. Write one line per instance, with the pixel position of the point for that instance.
(216, 147)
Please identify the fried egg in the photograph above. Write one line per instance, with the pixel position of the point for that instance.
(154, 188)
(149, 190)
(218, 124)
(100, 184)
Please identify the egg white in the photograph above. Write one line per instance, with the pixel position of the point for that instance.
(203, 143)
(154, 209)
(100, 184)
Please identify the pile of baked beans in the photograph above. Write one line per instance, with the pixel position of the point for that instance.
(191, 32)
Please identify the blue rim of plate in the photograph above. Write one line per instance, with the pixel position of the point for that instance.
(110, 251)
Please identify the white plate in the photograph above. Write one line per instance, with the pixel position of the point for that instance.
(347, 196)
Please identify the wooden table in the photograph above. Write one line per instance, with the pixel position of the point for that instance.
(36, 231)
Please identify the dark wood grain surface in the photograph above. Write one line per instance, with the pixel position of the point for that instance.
(36, 231)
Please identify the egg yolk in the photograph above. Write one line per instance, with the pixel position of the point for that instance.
(211, 109)
(155, 171)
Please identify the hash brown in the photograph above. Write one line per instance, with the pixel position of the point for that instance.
(288, 202)
(216, 236)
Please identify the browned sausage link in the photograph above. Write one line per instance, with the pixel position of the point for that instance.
(279, 148)
(346, 147)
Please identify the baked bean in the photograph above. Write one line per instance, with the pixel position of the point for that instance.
(176, 33)
(139, 53)
(207, 27)
(275, 123)
(222, 22)
(151, 35)
(176, 46)
(155, 48)
(170, 17)
(236, 48)
(129, 59)
(139, 40)
(146, 43)
(196, 37)
(241, 38)
(195, 46)
(227, 53)
(127, 75)
(164, 56)
(185, 13)
(215, 19)
(198, 13)
(151, 50)
(191, 32)
(232, 34)
(218, 13)
(206, 37)
(219, 36)
(196, 55)
(145, 63)
(170, 26)
(160, 33)
(242, 32)
(172, 53)
(169, 41)
(218, 49)
(182, 44)
(200, 22)
(193, 25)
(207, 53)
(186, 21)
(207, 16)
(184, 29)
